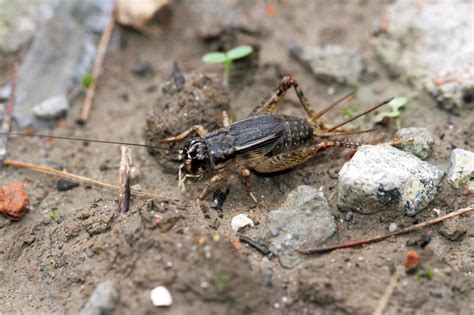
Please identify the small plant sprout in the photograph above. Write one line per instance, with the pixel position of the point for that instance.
(394, 113)
(87, 81)
(226, 58)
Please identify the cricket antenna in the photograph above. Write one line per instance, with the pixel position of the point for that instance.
(324, 111)
(360, 115)
(14, 134)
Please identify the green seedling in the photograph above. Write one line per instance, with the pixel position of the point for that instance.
(87, 81)
(227, 58)
(394, 113)
(54, 215)
(426, 273)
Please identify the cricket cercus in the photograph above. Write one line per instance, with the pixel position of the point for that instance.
(265, 142)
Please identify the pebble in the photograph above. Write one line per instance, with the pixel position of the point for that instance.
(142, 68)
(392, 227)
(304, 218)
(52, 108)
(453, 230)
(160, 296)
(102, 301)
(240, 221)
(461, 172)
(65, 185)
(384, 178)
(417, 141)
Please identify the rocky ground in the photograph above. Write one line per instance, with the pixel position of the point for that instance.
(72, 252)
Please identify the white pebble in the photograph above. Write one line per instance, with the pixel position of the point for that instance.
(239, 221)
(392, 227)
(160, 296)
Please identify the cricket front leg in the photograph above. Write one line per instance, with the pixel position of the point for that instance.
(214, 180)
(200, 130)
(245, 176)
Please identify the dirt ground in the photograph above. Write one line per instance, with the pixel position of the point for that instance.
(51, 266)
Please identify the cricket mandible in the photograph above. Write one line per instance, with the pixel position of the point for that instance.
(264, 142)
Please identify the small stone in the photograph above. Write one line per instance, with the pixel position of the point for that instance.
(160, 296)
(461, 172)
(13, 201)
(332, 63)
(240, 221)
(304, 218)
(102, 301)
(384, 178)
(52, 108)
(349, 216)
(417, 141)
(135, 175)
(453, 230)
(392, 227)
(65, 185)
(142, 68)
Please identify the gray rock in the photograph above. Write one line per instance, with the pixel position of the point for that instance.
(384, 178)
(453, 230)
(332, 63)
(461, 172)
(417, 141)
(52, 108)
(416, 44)
(19, 21)
(102, 301)
(61, 54)
(304, 218)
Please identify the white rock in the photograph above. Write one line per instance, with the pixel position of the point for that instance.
(160, 296)
(239, 221)
(461, 171)
(52, 108)
(384, 178)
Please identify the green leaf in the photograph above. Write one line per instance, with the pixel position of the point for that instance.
(54, 215)
(239, 52)
(398, 102)
(87, 81)
(215, 57)
(395, 105)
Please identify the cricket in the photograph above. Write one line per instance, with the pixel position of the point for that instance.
(264, 142)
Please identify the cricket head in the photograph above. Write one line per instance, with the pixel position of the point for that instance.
(195, 156)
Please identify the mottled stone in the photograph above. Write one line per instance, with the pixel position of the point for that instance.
(417, 141)
(384, 178)
(461, 172)
(304, 218)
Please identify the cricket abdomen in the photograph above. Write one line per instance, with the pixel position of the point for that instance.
(297, 133)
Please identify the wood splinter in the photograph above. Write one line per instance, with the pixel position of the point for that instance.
(124, 180)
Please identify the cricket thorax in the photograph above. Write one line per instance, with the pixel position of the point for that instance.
(220, 146)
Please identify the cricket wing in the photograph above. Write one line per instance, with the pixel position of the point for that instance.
(257, 135)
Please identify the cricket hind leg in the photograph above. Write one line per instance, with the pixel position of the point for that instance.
(272, 103)
(200, 130)
(284, 161)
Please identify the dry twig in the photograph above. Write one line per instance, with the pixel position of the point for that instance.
(103, 44)
(81, 179)
(7, 115)
(416, 227)
(387, 294)
(124, 180)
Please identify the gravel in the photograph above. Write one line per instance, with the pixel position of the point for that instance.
(417, 141)
(102, 301)
(461, 172)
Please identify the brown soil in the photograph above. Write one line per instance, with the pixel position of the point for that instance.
(51, 266)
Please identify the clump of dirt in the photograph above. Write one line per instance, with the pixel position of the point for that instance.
(200, 101)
